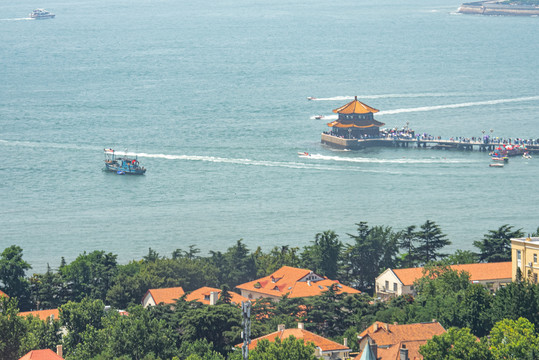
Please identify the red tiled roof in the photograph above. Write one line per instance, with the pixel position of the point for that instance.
(390, 337)
(388, 334)
(42, 314)
(478, 272)
(319, 341)
(3, 294)
(166, 295)
(46, 354)
(286, 280)
(202, 295)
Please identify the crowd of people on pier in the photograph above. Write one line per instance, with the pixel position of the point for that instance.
(409, 134)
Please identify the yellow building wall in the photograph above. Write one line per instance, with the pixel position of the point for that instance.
(529, 258)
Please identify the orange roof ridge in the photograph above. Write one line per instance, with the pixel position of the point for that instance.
(355, 107)
(319, 341)
(44, 354)
(166, 295)
(42, 314)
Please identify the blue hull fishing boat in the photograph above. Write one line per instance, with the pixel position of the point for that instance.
(122, 165)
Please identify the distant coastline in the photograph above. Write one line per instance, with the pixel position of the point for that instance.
(499, 8)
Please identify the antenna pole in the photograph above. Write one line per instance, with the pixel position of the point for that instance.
(246, 333)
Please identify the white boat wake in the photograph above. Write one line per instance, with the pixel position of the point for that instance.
(453, 106)
(386, 96)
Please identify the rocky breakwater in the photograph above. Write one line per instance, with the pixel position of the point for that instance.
(498, 8)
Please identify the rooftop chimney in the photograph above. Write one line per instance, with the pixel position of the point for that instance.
(301, 326)
(59, 350)
(375, 327)
(345, 342)
(281, 327)
(213, 297)
(403, 352)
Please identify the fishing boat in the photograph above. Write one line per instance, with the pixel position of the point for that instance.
(41, 14)
(122, 165)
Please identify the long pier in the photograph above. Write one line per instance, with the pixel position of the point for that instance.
(432, 143)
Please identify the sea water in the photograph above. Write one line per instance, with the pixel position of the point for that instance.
(213, 99)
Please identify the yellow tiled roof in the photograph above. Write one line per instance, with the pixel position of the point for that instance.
(478, 272)
(355, 107)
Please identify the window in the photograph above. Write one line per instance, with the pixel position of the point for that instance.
(395, 287)
(387, 285)
(535, 258)
(535, 278)
(519, 263)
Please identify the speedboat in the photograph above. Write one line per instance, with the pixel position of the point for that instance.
(311, 98)
(526, 155)
(41, 14)
(304, 154)
(498, 158)
(319, 116)
(122, 165)
(496, 165)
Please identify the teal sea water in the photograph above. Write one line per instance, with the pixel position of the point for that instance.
(212, 96)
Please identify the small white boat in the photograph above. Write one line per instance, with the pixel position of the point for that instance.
(41, 14)
(304, 154)
(319, 116)
(526, 156)
(496, 165)
(311, 98)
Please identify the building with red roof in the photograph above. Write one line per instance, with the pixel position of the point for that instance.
(162, 296)
(52, 314)
(293, 282)
(324, 348)
(45, 354)
(395, 282)
(209, 296)
(3, 294)
(394, 341)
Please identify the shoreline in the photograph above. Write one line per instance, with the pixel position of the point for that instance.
(496, 8)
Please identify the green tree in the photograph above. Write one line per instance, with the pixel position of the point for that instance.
(139, 335)
(455, 344)
(406, 240)
(461, 257)
(12, 329)
(496, 244)
(40, 334)
(219, 324)
(430, 239)
(76, 317)
(200, 349)
(514, 339)
(90, 275)
(12, 275)
(372, 251)
(323, 256)
(48, 291)
(278, 257)
(515, 300)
